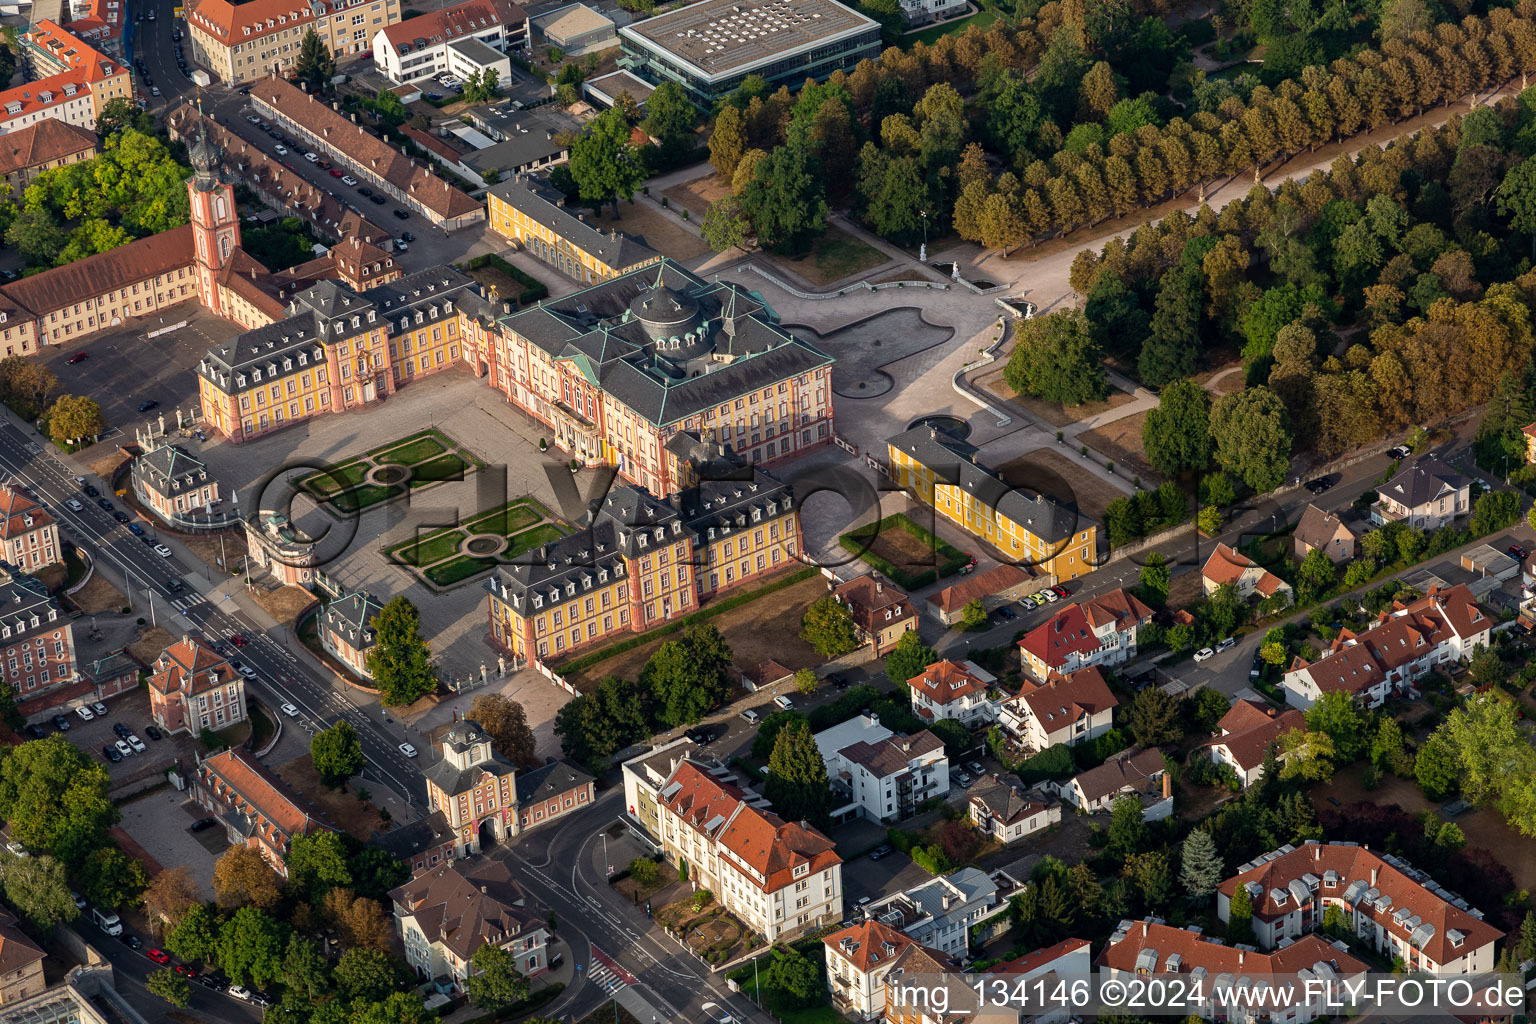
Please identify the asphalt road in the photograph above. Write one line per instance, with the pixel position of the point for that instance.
(153, 44)
(206, 606)
(130, 967)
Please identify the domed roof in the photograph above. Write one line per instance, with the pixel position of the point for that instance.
(664, 308)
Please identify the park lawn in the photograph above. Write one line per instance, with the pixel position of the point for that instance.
(504, 521)
(981, 19)
(548, 533)
(431, 442)
(434, 547)
(411, 454)
(835, 255)
(445, 467)
(360, 498)
(461, 568)
(336, 478)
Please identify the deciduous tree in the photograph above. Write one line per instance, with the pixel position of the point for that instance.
(687, 675)
(170, 986)
(242, 878)
(38, 889)
(399, 660)
(1056, 358)
(603, 162)
(909, 657)
(827, 626)
(506, 722)
(494, 983)
(1176, 435)
(1253, 437)
(337, 754)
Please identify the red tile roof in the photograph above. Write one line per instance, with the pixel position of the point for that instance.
(42, 143)
(16, 950)
(1071, 630)
(449, 23)
(1228, 566)
(700, 799)
(231, 23)
(946, 681)
(1061, 702)
(953, 599)
(139, 260)
(874, 603)
(1250, 728)
(774, 847)
(15, 511)
(867, 945)
(1350, 863)
(261, 793)
(1033, 961)
(190, 666)
(1119, 606)
(1194, 950)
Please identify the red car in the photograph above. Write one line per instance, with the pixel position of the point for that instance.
(185, 971)
(238, 640)
(78, 357)
(335, 172)
(159, 956)
(1061, 591)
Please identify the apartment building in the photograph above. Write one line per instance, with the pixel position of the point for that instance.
(255, 807)
(1392, 907)
(956, 691)
(445, 915)
(1153, 947)
(73, 81)
(29, 537)
(530, 212)
(879, 775)
(881, 611)
(1247, 733)
(193, 687)
(858, 958)
(780, 878)
(243, 42)
(172, 483)
(36, 641)
(21, 962)
(1404, 644)
(51, 142)
(1099, 631)
(646, 774)
(639, 561)
(940, 913)
(420, 47)
(1028, 528)
(346, 630)
(1069, 709)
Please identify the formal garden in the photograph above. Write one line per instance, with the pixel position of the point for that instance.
(450, 555)
(390, 471)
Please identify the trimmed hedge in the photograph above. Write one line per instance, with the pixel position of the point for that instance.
(953, 559)
(533, 289)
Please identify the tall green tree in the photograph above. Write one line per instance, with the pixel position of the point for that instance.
(195, 938)
(251, 947)
(725, 225)
(795, 977)
(1240, 916)
(314, 67)
(1056, 358)
(108, 877)
(494, 982)
(827, 626)
(1176, 435)
(55, 798)
(787, 199)
(505, 721)
(687, 675)
(74, 418)
(1154, 718)
(603, 162)
(337, 753)
(38, 890)
(305, 967)
(170, 986)
(1201, 869)
(909, 657)
(669, 115)
(797, 783)
(399, 660)
(317, 864)
(1253, 437)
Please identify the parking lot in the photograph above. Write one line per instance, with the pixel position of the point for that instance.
(130, 710)
(161, 822)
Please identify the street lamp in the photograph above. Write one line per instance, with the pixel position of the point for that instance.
(922, 254)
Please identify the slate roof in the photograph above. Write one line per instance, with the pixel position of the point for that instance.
(737, 344)
(453, 780)
(169, 471)
(545, 205)
(463, 908)
(1422, 483)
(351, 617)
(553, 779)
(956, 463)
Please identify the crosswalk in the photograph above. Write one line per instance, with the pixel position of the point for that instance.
(601, 975)
(181, 604)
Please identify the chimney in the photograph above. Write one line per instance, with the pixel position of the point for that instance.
(1239, 958)
(879, 587)
(1373, 878)
(1167, 785)
(1143, 928)
(482, 888)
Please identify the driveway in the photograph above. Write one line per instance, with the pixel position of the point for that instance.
(161, 823)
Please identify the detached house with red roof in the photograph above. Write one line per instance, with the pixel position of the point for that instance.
(29, 538)
(1069, 710)
(254, 806)
(955, 690)
(1406, 642)
(858, 959)
(1248, 731)
(193, 687)
(1100, 631)
(780, 878)
(1247, 577)
(1152, 947)
(1388, 904)
(881, 611)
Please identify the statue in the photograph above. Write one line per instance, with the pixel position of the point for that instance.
(501, 665)
(482, 673)
(493, 291)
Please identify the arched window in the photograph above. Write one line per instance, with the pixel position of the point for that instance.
(222, 208)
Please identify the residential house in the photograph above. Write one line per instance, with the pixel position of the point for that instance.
(474, 787)
(881, 611)
(346, 630)
(73, 81)
(765, 675)
(1046, 970)
(1070, 710)
(1326, 531)
(39, 147)
(1150, 946)
(29, 537)
(255, 807)
(907, 999)
(996, 586)
(948, 689)
(1099, 631)
(879, 775)
(243, 42)
(779, 878)
(1428, 495)
(858, 958)
(37, 644)
(1393, 908)
(419, 48)
(444, 915)
(1247, 733)
(1406, 642)
(174, 485)
(1248, 578)
(1003, 809)
(941, 912)
(422, 844)
(1142, 774)
(193, 687)
(21, 962)
(645, 774)
(1028, 527)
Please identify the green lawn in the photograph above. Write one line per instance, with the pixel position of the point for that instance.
(981, 19)
(839, 254)
(548, 533)
(363, 497)
(434, 547)
(445, 467)
(431, 442)
(461, 568)
(504, 521)
(410, 454)
(337, 478)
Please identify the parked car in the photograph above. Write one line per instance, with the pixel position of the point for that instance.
(406, 236)
(159, 955)
(365, 191)
(202, 824)
(247, 672)
(153, 733)
(35, 731)
(85, 713)
(120, 516)
(61, 723)
(1050, 595)
(879, 851)
(136, 743)
(99, 708)
(1399, 453)
(750, 717)
(701, 736)
(1517, 552)
(347, 179)
(162, 551)
(104, 504)
(253, 119)
(1204, 654)
(185, 971)
(1061, 591)
(1320, 485)
(111, 754)
(401, 214)
(121, 730)
(133, 942)
(312, 157)
(136, 529)
(783, 703)
(1227, 644)
(146, 406)
(78, 357)
(378, 200)
(209, 981)
(240, 992)
(108, 921)
(963, 779)
(91, 492)
(976, 767)
(1007, 614)
(280, 149)
(238, 639)
(123, 748)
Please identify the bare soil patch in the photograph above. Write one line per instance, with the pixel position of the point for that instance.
(1120, 442)
(1185, 590)
(835, 256)
(768, 628)
(207, 548)
(358, 818)
(285, 603)
(655, 229)
(696, 195)
(98, 596)
(150, 644)
(1057, 476)
(105, 466)
(1054, 413)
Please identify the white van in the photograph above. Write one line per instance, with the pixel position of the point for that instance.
(107, 920)
(783, 703)
(749, 716)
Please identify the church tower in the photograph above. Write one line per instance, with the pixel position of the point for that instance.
(215, 224)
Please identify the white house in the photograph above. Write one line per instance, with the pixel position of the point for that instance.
(1247, 577)
(940, 913)
(453, 40)
(1069, 710)
(1003, 809)
(1394, 909)
(878, 774)
(445, 914)
(1142, 774)
(858, 959)
(1248, 731)
(954, 690)
(1405, 643)
(1427, 496)
(1100, 631)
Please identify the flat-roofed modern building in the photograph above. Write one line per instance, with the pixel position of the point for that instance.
(709, 48)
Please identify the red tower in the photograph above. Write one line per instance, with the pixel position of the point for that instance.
(215, 224)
